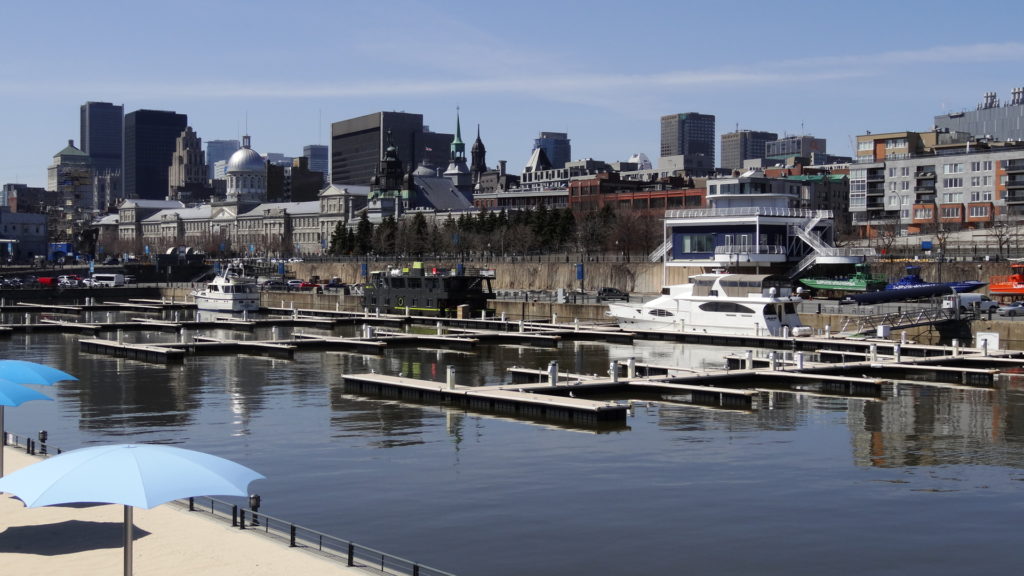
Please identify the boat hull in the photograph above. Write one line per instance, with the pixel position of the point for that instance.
(221, 303)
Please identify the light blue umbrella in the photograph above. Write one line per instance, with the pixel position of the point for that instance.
(24, 372)
(12, 394)
(143, 475)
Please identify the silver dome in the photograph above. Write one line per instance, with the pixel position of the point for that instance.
(245, 159)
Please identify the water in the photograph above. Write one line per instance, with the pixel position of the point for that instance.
(926, 481)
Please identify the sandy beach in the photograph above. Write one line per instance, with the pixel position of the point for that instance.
(169, 540)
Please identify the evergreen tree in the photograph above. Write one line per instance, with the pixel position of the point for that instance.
(364, 235)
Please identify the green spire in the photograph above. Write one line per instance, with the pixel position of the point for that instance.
(458, 148)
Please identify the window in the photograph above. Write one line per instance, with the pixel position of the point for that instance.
(905, 171)
(975, 180)
(923, 213)
(894, 201)
(975, 166)
(905, 185)
(950, 211)
(892, 172)
(952, 197)
(865, 146)
(952, 168)
(979, 211)
(952, 182)
(986, 165)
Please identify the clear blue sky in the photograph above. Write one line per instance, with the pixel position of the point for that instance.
(604, 72)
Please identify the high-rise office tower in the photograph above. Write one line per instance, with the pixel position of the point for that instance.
(557, 147)
(102, 135)
(318, 161)
(688, 134)
(357, 145)
(744, 145)
(218, 150)
(150, 138)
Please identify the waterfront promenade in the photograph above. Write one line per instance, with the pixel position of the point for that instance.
(169, 540)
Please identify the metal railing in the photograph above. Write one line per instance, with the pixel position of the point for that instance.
(339, 549)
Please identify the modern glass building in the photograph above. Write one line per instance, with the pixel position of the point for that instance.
(102, 135)
(318, 160)
(357, 145)
(218, 150)
(150, 139)
(557, 147)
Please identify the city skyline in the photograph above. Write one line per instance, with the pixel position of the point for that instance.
(284, 75)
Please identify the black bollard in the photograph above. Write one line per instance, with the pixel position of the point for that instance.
(234, 515)
(241, 519)
(291, 540)
(191, 504)
(351, 554)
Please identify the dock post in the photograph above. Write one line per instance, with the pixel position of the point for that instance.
(576, 324)
(120, 336)
(440, 328)
(903, 337)
(631, 367)
(773, 361)
(874, 352)
(554, 318)
(896, 353)
(828, 330)
(503, 317)
(553, 373)
(956, 347)
(522, 328)
(749, 360)
(613, 370)
(785, 331)
(450, 376)
(27, 318)
(483, 314)
(984, 347)
(799, 360)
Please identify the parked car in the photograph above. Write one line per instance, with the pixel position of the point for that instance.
(295, 284)
(273, 285)
(1011, 309)
(608, 293)
(69, 281)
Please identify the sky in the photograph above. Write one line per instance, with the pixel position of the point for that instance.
(604, 72)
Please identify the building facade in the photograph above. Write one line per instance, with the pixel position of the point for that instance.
(150, 138)
(357, 145)
(219, 151)
(557, 147)
(744, 145)
(187, 173)
(906, 183)
(990, 120)
(688, 134)
(794, 146)
(102, 135)
(317, 160)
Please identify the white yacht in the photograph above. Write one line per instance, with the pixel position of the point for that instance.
(719, 303)
(229, 291)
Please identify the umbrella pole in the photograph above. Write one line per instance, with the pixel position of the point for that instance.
(128, 540)
(3, 441)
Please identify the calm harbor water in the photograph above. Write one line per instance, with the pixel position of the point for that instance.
(922, 481)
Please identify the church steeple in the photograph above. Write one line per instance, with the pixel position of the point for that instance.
(458, 146)
(478, 162)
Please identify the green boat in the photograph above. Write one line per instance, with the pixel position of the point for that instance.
(862, 280)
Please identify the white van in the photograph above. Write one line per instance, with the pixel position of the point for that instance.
(969, 302)
(110, 280)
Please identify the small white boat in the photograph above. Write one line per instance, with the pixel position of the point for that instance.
(229, 291)
(717, 303)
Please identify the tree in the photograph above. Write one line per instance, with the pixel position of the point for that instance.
(364, 235)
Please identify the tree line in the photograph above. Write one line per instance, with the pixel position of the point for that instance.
(497, 232)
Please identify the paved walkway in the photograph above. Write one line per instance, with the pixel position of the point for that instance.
(169, 540)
